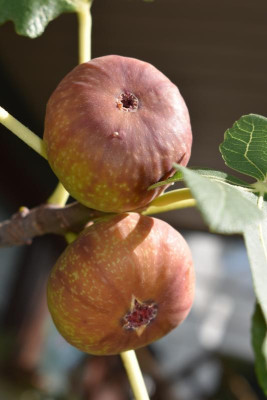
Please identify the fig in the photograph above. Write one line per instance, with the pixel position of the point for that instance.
(123, 283)
(113, 127)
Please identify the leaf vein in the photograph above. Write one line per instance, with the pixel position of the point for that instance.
(247, 149)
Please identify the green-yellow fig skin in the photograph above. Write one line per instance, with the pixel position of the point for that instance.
(105, 156)
(129, 256)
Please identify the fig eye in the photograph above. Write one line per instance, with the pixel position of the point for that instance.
(140, 315)
(127, 101)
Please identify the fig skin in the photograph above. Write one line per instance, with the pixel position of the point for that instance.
(128, 257)
(113, 127)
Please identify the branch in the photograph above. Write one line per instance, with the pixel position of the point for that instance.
(47, 218)
(50, 218)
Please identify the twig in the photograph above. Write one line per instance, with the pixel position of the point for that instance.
(47, 218)
(50, 218)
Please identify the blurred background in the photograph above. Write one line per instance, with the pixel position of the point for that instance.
(215, 52)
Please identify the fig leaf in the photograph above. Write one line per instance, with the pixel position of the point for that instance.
(256, 243)
(258, 332)
(209, 173)
(31, 17)
(178, 176)
(244, 148)
(225, 208)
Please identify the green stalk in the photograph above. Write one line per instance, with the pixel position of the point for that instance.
(174, 200)
(70, 237)
(135, 375)
(59, 196)
(85, 28)
(22, 132)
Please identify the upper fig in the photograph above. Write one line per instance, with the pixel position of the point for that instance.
(113, 127)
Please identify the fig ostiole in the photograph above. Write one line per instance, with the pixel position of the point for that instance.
(125, 282)
(113, 127)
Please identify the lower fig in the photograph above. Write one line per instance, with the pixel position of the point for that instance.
(122, 284)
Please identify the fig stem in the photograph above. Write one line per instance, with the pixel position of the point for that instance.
(135, 376)
(70, 237)
(22, 132)
(176, 199)
(59, 196)
(85, 28)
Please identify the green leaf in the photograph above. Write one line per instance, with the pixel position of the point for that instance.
(256, 243)
(221, 177)
(209, 173)
(245, 146)
(178, 176)
(258, 333)
(32, 16)
(224, 207)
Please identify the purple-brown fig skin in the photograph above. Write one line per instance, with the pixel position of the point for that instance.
(91, 287)
(107, 157)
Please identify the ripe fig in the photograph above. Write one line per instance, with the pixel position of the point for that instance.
(113, 127)
(124, 283)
